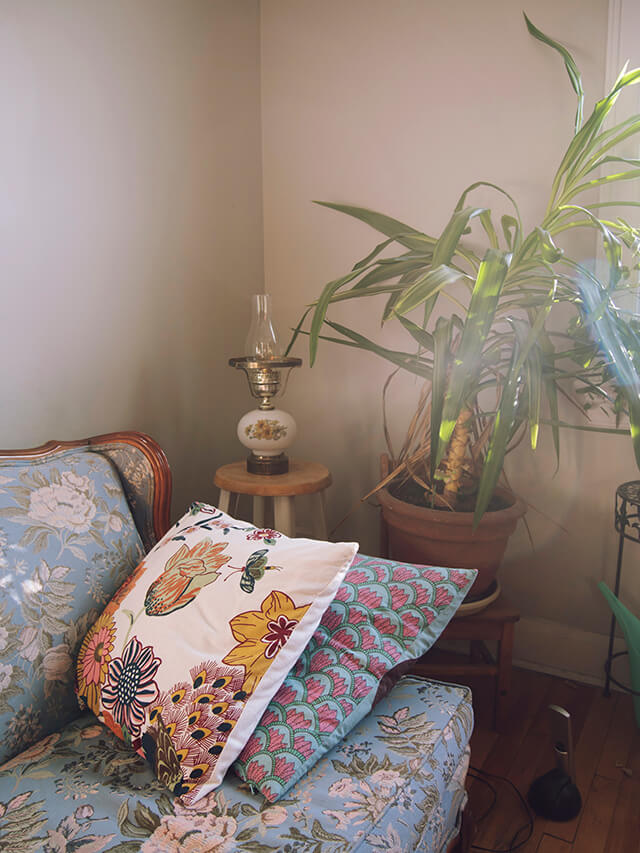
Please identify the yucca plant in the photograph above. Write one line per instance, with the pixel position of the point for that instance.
(483, 326)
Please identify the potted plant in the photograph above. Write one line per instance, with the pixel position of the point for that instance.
(501, 324)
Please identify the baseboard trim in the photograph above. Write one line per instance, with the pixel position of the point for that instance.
(569, 675)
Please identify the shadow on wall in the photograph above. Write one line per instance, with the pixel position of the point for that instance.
(193, 424)
(567, 564)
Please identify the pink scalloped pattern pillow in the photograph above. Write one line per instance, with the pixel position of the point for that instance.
(384, 613)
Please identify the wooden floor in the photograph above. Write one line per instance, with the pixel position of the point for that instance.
(607, 750)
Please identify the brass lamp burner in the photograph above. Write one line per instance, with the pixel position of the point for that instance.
(263, 375)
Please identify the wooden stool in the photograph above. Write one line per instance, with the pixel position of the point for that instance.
(495, 623)
(302, 478)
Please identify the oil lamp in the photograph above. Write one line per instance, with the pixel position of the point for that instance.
(266, 431)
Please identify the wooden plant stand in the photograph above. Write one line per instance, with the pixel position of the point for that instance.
(496, 624)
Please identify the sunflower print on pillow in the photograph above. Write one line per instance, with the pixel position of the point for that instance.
(261, 634)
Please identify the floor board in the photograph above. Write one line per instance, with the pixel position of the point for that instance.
(624, 832)
(549, 844)
(607, 759)
(617, 746)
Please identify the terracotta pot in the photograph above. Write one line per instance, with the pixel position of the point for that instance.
(442, 538)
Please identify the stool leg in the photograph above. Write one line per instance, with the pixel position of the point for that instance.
(284, 515)
(503, 680)
(319, 523)
(223, 500)
(258, 511)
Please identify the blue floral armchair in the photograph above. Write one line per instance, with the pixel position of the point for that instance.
(75, 519)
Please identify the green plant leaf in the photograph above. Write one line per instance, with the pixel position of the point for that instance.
(570, 65)
(608, 139)
(487, 224)
(297, 331)
(321, 310)
(399, 359)
(530, 358)
(390, 306)
(390, 269)
(550, 252)
(586, 428)
(511, 231)
(587, 140)
(629, 161)
(534, 390)
(474, 186)
(502, 431)
(346, 295)
(623, 345)
(447, 244)
(373, 253)
(527, 336)
(482, 308)
(427, 286)
(548, 356)
(442, 357)
(420, 335)
(612, 250)
(605, 180)
(403, 234)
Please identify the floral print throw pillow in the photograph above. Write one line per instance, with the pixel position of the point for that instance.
(190, 650)
(67, 542)
(385, 613)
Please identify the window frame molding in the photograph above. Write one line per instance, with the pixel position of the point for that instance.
(623, 45)
(623, 41)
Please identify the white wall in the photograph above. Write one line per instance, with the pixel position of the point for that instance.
(130, 222)
(398, 106)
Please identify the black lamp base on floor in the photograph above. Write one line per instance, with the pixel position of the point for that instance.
(554, 796)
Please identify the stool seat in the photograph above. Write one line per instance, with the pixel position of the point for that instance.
(302, 478)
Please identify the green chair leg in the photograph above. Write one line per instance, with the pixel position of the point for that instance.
(630, 626)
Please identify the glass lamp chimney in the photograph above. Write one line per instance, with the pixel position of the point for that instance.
(261, 340)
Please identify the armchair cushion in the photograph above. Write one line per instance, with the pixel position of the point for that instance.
(67, 542)
(395, 784)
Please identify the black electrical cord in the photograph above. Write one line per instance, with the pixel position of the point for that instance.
(514, 844)
(494, 794)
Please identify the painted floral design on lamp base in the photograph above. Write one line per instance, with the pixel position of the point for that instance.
(267, 434)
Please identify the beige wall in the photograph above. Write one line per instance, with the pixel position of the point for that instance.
(398, 106)
(130, 222)
(131, 231)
